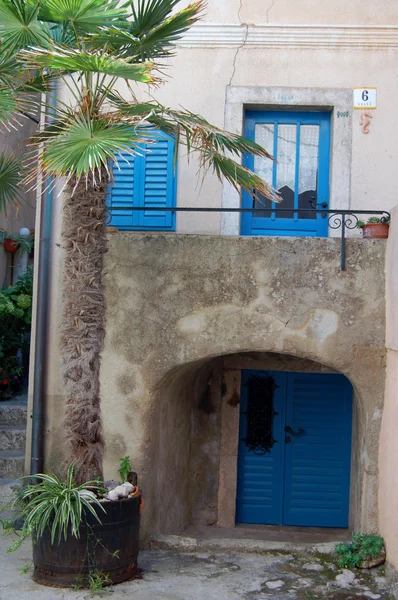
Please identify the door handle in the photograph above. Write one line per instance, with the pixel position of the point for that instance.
(313, 203)
(297, 433)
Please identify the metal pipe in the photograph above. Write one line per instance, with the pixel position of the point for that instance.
(42, 302)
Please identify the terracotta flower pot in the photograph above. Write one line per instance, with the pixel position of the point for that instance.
(11, 246)
(375, 230)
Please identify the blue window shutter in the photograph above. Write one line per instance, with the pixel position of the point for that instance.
(149, 180)
(157, 179)
(121, 191)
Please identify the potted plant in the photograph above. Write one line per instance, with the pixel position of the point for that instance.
(14, 241)
(83, 534)
(374, 228)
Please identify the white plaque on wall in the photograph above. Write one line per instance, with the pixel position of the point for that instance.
(365, 97)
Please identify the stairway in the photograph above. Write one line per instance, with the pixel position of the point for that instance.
(13, 416)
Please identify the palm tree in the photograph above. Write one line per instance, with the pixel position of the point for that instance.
(87, 46)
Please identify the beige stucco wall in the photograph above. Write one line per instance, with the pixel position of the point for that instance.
(388, 496)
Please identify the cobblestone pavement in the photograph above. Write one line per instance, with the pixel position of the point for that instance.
(170, 575)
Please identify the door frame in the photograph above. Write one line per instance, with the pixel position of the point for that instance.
(229, 441)
(337, 101)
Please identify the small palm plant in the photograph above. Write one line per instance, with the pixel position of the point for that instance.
(86, 48)
(59, 505)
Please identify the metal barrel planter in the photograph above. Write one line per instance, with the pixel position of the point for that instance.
(109, 548)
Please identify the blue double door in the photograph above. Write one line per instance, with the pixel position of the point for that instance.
(300, 144)
(294, 449)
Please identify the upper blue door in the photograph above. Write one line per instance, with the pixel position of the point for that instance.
(300, 143)
(304, 477)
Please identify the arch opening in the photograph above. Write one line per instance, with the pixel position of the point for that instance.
(195, 437)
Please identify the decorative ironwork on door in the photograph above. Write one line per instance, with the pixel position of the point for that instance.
(260, 413)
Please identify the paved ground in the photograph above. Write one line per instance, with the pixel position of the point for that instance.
(171, 575)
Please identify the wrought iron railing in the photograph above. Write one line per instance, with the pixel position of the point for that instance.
(337, 219)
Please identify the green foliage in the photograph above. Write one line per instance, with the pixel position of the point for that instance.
(15, 314)
(125, 468)
(10, 169)
(59, 505)
(364, 546)
(373, 220)
(97, 580)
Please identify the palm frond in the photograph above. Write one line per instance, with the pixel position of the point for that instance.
(10, 180)
(237, 175)
(8, 106)
(19, 25)
(157, 42)
(215, 147)
(147, 14)
(196, 129)
(84, 145)
(83, 16)
(70, 60)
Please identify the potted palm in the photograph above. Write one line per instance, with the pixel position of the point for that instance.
(87, 47)
(374, 228)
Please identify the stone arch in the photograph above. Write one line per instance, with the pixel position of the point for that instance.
(190, 450)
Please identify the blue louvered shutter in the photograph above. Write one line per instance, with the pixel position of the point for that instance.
(150, 182)
(157, 184)
(121, 192)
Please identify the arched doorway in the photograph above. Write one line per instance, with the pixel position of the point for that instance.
(294, 449)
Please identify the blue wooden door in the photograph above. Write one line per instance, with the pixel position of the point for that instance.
(304, 479)
(300, 143)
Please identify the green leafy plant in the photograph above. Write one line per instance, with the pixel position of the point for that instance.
(15, 322)
(372, 220)
(97, 580)
(364, 546)
(24, 243)
(125, 468)
(59, 505)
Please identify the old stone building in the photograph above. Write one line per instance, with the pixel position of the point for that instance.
(210, 311)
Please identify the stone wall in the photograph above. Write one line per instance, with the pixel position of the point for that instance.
(388, 492)
(177, 303)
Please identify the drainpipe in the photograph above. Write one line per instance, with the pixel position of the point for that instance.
(41, 326)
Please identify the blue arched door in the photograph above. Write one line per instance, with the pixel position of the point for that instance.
(300, 143)
(294, 449)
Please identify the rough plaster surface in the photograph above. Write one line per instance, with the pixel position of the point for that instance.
(176, 303)
(388, 497)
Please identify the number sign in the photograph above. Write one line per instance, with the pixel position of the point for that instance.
(365, 97)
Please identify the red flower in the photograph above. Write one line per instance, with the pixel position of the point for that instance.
(5, 382)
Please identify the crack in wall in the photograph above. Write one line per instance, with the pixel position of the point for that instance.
(239, 48)
(270, 8)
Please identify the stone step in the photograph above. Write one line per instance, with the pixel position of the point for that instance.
(12, 437)
(12, 463)
(13, 412)
(8, 488)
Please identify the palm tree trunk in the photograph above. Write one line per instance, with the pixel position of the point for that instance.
(82, 325)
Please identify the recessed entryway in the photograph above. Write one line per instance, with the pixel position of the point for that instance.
(294, 449)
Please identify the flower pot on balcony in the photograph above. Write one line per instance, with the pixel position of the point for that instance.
(375, 230)
(11, 246)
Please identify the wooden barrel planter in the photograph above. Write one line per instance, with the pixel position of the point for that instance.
(109, 548)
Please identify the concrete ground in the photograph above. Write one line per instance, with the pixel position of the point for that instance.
(278, 574)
